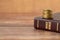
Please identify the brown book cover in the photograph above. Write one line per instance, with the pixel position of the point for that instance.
(46, 24)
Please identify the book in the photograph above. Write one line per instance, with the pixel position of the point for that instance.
(47, 24)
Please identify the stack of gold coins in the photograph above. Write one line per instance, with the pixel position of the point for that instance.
(47, 14)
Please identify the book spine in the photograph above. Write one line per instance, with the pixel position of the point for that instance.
(41, 24)
(47, 25)
(35, 24)
(58, 28)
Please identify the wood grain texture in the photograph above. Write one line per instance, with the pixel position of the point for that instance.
(29, 5)
(26, 33)
(25, 9)
(16, 19)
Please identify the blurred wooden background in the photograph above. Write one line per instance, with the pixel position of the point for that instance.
(28, 5)
(14, 14)
(25, 10)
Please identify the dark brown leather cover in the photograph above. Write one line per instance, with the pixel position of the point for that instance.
(59, 27)
(42, 26)
(35, 24)
(40, 23)
(53, 26)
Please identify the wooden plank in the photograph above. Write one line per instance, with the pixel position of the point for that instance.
(26, 33)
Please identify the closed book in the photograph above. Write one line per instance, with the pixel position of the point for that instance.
(47, 24)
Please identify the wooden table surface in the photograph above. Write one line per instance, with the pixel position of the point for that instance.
(26, 33)
(22, 29)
